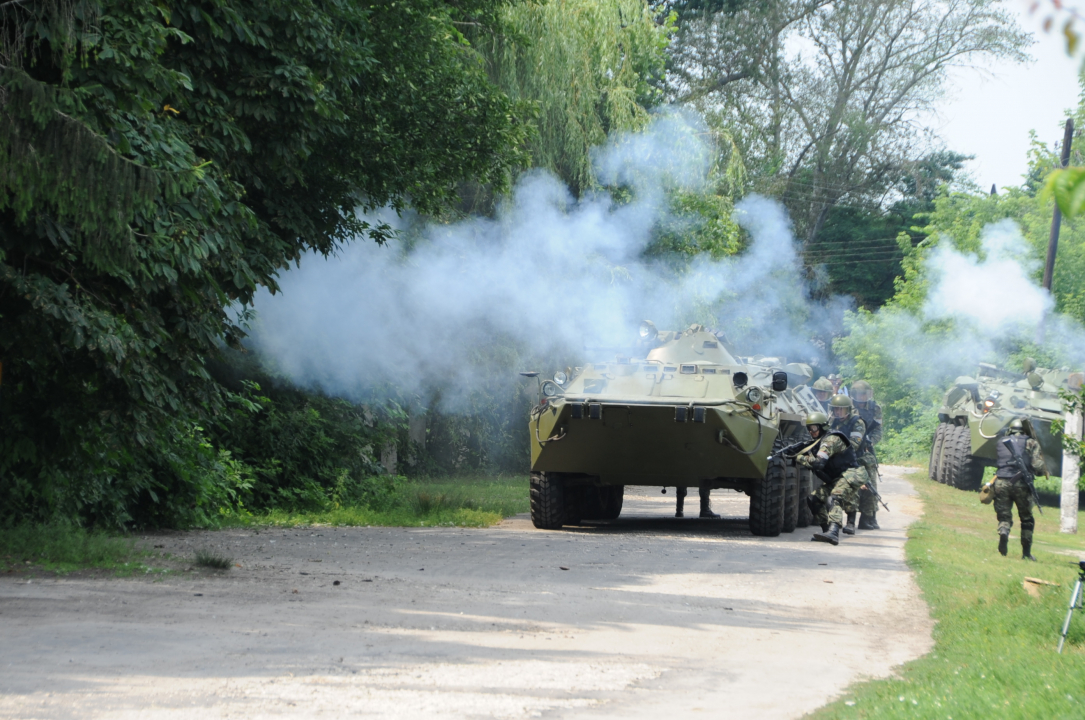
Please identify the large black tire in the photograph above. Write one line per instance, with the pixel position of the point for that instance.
(806, 486)
(791, 499)
(602, 503)
(936, 451)
(962, 470)
(547, 500)
(943, 463)
(767, 498)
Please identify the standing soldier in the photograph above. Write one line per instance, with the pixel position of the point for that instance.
(849, 423)
(838, 384)
(706, 508)
(1011, 487)
(832, 458)
(823, 390)
(862, 396)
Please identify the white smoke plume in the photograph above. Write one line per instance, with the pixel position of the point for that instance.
(997, 291)
(979, 307)
(551, 274)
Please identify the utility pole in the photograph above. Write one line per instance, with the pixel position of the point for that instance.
(1056, 220)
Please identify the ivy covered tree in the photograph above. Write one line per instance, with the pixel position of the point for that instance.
(160, 162)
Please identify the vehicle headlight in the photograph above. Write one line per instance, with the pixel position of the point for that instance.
(550, 389)
(754, 395)
(561, 378)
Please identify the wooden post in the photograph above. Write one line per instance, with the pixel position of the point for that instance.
(1071, 471)
(1056, 219)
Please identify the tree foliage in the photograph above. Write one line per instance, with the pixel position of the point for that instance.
(824, 97)
(161, 161)
(588, 67)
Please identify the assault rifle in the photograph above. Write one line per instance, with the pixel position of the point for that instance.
(876, 495)
(792, 451)
(1023, 468)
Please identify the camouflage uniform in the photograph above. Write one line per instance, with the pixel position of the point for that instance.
(854, 427)
(823, 390)
(1010, 489)
(868, 504)
(845, 487)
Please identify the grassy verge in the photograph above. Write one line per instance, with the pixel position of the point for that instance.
(994, 652)
(468, 501)
(63, 549)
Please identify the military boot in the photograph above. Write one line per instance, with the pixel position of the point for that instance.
(680, 502)
(832, 535)
(874, 521)
(849, 529)
(706, 509)
(1003, 543)
(1026, 550)
(866, 522)
(825, 527)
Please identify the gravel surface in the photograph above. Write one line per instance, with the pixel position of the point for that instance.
(646, 616)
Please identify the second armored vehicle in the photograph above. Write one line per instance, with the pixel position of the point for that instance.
(975, 411)
(688, 413)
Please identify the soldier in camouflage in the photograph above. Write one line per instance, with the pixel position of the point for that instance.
(862, 396)
(1011, 488)
(847, 421)
(832, 458)
(823, 390)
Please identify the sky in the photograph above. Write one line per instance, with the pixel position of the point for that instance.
(988, 113)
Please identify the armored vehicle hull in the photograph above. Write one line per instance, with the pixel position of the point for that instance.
(976, 411)
(688, 414)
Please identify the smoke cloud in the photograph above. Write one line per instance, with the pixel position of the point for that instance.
(996, 292)
(547, 275)
(464, 305)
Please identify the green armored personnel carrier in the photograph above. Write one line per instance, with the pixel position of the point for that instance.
(686, 412)
(976, 410)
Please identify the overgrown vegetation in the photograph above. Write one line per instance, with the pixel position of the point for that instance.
(995, 644)
(164, 160)
(63, 548)
(457, 501)
(214, 560)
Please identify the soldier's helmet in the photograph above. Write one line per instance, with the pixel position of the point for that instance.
(861, 391)
(822, 388)
(819, 419)
(1017, 426)
(840, 406)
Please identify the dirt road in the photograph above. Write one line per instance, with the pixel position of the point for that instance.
(645, 617)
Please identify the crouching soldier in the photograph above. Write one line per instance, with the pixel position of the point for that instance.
(832, 458)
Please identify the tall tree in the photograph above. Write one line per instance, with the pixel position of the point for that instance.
(829, 104)
(160, 162)
(588, 67)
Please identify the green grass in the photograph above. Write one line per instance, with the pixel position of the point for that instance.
(995, 645)
(466, 501)
(64, 548)
(211, 559)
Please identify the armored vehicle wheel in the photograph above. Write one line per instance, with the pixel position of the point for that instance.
(602, 503)
(936, 451)
(767, 498)
(962, 470)
(943, 464)
(791, 499)
(547, 500)
(806, 486)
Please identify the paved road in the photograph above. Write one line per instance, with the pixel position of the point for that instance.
(653, 617)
